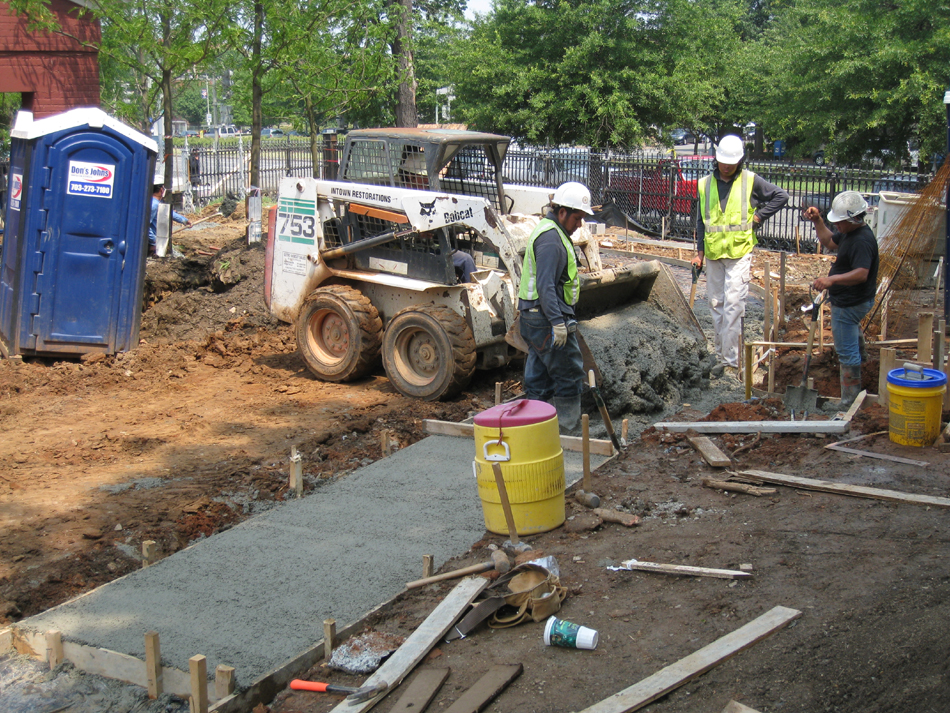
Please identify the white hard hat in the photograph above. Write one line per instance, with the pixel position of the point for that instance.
(730, 149)
(573, 195)
(847, 205)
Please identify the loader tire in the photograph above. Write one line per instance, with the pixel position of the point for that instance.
(339, 333)
(428, 352)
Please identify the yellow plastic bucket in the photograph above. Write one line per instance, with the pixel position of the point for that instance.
(915, 397)
(523, 438)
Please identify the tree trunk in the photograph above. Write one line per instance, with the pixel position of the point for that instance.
(406, 115)
(257, 93)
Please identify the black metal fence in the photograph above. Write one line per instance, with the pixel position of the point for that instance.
(659, 192)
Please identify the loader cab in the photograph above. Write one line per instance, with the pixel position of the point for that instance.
(464, 163)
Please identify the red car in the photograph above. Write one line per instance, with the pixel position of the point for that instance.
(669, 188)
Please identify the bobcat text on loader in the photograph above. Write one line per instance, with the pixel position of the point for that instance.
(365, 266)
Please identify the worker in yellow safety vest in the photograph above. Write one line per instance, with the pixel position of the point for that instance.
(732, 202)
(549, 289)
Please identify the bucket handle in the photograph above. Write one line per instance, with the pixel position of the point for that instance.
(917, 368)
(497, 458)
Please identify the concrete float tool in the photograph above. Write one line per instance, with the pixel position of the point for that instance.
(353, 695)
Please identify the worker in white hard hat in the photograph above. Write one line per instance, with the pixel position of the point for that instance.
(851, 282)
(550, 287)
(732, 202)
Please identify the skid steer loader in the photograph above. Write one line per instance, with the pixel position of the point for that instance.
(365, 266)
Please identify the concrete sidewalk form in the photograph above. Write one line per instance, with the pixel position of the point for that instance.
(256, 596)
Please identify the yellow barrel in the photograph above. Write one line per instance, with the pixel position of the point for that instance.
(523, 438)
(915, 397)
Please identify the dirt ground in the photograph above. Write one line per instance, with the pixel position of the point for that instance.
(191, 433)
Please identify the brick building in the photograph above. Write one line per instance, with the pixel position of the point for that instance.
(53, 71)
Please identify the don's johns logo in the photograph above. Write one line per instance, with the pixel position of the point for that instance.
(90, 179)
(16, 190)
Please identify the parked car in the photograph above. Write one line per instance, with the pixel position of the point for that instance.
(226, 131)
(188, 133)
(682, 137)
(666, 188)
(298, 133)
(270, 133)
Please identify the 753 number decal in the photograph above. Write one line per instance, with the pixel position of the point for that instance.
(296, 226)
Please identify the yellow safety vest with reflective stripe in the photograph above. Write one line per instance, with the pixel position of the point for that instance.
(729, 233)
(528, 290)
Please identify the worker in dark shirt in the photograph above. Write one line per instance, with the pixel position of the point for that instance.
(549, 289)
(851, 282)
(732, 202)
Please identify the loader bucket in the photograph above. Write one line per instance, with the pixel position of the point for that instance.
(614, 288)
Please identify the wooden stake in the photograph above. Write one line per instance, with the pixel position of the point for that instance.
(296, 471)
(497, 393)
(223, 681)
(54, 648)
(427, 567)
(884, 306)
(149, 552)
(938, 350)
(781, 288)
(385, 444)
(153, 665)
(767, 302)
(585, 435)
(888, 361)
(329, 638)
(624, 430)
(198, 666)
(798, 245)
(748, 371)
(938, 274)
(925, 328)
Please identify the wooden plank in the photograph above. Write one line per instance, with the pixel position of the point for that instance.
(329, 638)
(888, 360)
(738, 487)
(855, 406)
(710, 452)
(420, 692)
(54, 647)
(858, 491)
(925, 333)
(153, 665)
(198, 666)
(486, 689)
(696, 664)
(420, 642)
(6, 640)
(736, 707)
(755, 426)
(684, 570)
(223, 681)
(467, 430)
(877, 456)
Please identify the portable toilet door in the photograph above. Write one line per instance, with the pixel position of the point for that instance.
(83, 233)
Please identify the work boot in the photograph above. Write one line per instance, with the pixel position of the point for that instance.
(850, 383)
(568, 412)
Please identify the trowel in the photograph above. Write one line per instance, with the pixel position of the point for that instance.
(801, 398)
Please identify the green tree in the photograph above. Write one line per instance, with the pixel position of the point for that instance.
(859, 75)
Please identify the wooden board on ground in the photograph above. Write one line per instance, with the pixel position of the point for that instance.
(675, 675)
(684, 570)
(755, 426)
(486, 689)
(710, 452)
(419, 694)
(736, 707)
(467, 430)
(858, 491)
(420, 642)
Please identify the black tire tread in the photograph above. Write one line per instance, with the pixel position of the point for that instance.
(370, 327)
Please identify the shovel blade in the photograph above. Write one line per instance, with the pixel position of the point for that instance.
(800, 398)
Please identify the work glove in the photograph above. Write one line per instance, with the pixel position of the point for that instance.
(559, 335)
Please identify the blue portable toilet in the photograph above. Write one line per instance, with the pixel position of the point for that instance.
(73, 264)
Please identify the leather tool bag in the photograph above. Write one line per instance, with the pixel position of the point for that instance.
(536, 594)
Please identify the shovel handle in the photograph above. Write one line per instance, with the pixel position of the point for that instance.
(315, 686)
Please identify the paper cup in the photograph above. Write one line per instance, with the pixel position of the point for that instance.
(558, 632)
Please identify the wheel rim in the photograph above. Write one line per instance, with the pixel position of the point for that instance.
(417, 356)
(329, 336)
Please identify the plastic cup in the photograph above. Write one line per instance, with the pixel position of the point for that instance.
(558, 632)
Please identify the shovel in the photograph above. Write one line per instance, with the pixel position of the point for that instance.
(801, 398)
(692, 290)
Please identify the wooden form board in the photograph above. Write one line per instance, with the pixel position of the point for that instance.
(467, 430)
(420, 642)
(684, 570)
(710, 452)
(486, 689)
(419, 694)
(100, 662)
(859, 491)
(755, 426)
(675, 675)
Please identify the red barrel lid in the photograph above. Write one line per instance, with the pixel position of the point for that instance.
(524, 412)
